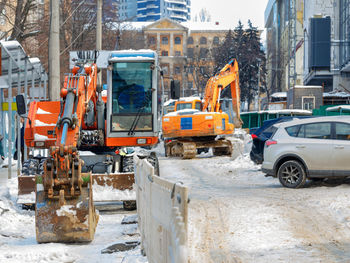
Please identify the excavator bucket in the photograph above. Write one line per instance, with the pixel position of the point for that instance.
(65, 220)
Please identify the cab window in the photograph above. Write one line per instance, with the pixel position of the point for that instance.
(184, 106)
(198, 105)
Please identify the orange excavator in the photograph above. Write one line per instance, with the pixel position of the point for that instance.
(86, 120)
(188, 131)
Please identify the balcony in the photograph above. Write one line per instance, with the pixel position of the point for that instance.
(178, 9)
(176, 1)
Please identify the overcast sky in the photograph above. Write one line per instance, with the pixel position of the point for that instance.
(228, 12)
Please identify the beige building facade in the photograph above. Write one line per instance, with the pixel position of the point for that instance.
(185, 52)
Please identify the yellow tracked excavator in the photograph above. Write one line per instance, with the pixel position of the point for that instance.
(188, 131)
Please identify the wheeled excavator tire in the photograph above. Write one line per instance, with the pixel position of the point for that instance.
(66, 220)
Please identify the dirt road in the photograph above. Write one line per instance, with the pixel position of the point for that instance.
(238, 215)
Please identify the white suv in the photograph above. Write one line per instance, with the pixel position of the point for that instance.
(308, 148)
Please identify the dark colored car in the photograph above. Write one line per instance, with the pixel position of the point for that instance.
(261, 135)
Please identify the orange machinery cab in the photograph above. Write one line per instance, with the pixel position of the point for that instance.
(188, 104)
(132, 98)
(39, 129)
(190, 123)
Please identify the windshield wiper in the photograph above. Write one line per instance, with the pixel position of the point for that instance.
(135, 121)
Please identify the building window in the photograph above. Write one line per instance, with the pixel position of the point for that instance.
(190, 41)
(190, 85)
(165, 40)
(203, 53)
(177, 71)
(203, 70)
(177, 41)
(165, 69)
(177, 53)
(203, 41)
(190, 53)
(164, 53)
(152, 41)
(190, 69)
(216, 41)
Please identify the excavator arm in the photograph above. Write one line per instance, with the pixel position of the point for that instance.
(228, 76)
(65, 198)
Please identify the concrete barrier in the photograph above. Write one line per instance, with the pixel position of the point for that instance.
(162, 208)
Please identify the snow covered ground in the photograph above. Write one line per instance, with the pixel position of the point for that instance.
(18, 244)
(235, 215)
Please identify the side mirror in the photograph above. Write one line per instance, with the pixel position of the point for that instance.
(21, 105)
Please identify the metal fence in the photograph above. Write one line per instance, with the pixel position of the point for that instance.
(19, 75)
(162, 209)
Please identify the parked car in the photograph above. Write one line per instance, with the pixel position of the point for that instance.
(308, 148)
(262, 134)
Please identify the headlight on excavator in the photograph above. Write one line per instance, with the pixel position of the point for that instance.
(165, 119)
(141, 141)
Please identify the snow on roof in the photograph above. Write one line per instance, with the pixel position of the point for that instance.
(181, 112)
(336, 94)
(311, 120)
(192, 26)
(338, 108)
(279, 95)
(34, 60)
(284, 111)
(11, 44)
(207, 26)
(189, 99)
(306, 87)
(168, 102)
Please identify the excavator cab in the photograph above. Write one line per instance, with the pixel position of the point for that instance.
(132, 99)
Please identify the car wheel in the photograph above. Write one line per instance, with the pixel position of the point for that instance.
(292, 174)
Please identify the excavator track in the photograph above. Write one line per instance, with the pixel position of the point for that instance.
(188, 149)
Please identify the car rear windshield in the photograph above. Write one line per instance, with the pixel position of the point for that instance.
(269, 132)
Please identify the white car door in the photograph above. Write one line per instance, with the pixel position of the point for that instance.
(341, 152)
(315, 146)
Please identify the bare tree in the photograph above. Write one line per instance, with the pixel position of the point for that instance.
(200, 69)
(204, 15)
(20, 16)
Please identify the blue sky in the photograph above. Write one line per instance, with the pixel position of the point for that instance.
(228, 12)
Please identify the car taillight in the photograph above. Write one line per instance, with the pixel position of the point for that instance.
(270, 142)
(254, 136)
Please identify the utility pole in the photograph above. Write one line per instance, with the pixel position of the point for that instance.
(54, 51)
(259, 84)
(99, 35)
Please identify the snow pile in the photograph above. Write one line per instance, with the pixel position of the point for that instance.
(18, 243)
(108, 193)
(26, 198)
